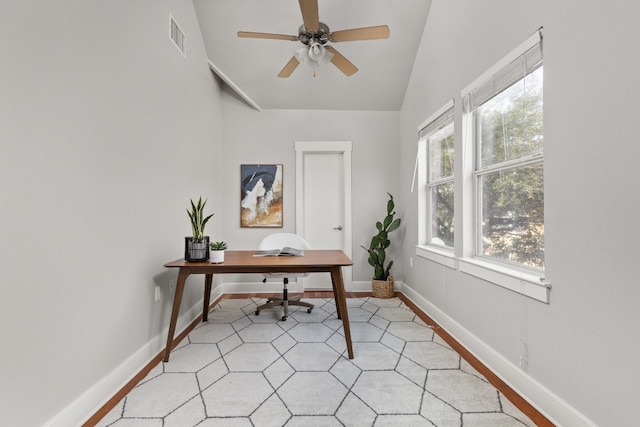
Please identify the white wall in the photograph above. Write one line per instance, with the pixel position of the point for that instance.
(269, 136)
(102, 119)
(582, 351)
(107, 131)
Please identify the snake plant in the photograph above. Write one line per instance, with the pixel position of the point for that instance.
(198, 220)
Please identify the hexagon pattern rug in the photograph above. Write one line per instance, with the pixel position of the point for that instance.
(239, 369)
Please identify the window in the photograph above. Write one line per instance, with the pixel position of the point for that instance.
(495, 174)
(505, 125)
(437, 137)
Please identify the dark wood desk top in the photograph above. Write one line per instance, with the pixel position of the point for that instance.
(245, 262)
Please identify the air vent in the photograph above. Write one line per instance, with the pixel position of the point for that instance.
(178, 37)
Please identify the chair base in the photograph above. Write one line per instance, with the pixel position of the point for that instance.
(285, 303)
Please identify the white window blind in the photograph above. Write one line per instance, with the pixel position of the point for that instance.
(437, 124)
(489, 85)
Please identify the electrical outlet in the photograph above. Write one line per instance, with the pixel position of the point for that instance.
(157, 293)
(410, 261)
(172, 286)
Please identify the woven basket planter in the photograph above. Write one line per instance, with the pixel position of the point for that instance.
(383, 288)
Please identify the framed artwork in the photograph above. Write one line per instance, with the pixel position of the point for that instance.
(261, 196)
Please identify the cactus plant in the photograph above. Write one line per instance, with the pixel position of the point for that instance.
(380, 242)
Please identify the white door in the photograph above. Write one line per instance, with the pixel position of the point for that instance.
(323, 202)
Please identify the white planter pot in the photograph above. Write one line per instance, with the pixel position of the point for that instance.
(216, 257)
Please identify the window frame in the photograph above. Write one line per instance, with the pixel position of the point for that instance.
(526, 281)
(462, 257)
(439, 253)
(529, 160)
(439, 122)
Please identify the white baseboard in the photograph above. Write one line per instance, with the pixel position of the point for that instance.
(93, 399)
(259, 287)
(544, 400)
(363, 286)
(276, 286)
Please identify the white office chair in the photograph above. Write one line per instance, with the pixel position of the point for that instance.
(279, 241)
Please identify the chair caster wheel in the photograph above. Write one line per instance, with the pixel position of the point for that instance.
(308, 310)
(284, 318)
(257, 312)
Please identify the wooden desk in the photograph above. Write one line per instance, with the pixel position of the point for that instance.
(313, 261)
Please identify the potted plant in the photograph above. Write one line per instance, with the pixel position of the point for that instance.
(217, 252)
(196, 247)
(382, 282)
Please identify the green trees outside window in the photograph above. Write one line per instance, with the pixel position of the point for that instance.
(509, 173)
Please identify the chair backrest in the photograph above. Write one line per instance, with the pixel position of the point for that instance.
(281, 240)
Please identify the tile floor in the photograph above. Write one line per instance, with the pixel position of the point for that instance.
(245, 370)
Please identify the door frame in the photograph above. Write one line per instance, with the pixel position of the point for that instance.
(327, 147)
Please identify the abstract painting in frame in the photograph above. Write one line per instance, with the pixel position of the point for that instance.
(261, 196)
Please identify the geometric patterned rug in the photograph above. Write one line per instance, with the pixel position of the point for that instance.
(239, 369)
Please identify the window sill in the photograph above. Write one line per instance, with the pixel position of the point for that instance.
(522, 282)
(439, 255)
(525, 283)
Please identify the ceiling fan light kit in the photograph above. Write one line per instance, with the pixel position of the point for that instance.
(315, 35)
(315, 54)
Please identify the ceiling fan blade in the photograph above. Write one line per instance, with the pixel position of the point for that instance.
(367, 33)
(341, 62)
(289, 68)
(253, 35)
(310, 17)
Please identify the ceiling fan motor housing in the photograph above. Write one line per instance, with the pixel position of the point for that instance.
(307, 37)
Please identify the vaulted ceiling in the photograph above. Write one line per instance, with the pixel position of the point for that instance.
(252, 65)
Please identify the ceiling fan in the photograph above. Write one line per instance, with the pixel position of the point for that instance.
(314, 35)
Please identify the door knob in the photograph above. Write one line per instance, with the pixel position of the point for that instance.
(338, 228)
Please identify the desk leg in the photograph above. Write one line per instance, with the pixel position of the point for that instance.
(338, 287)
(177, 299)
(335, 297)
(208, 278)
